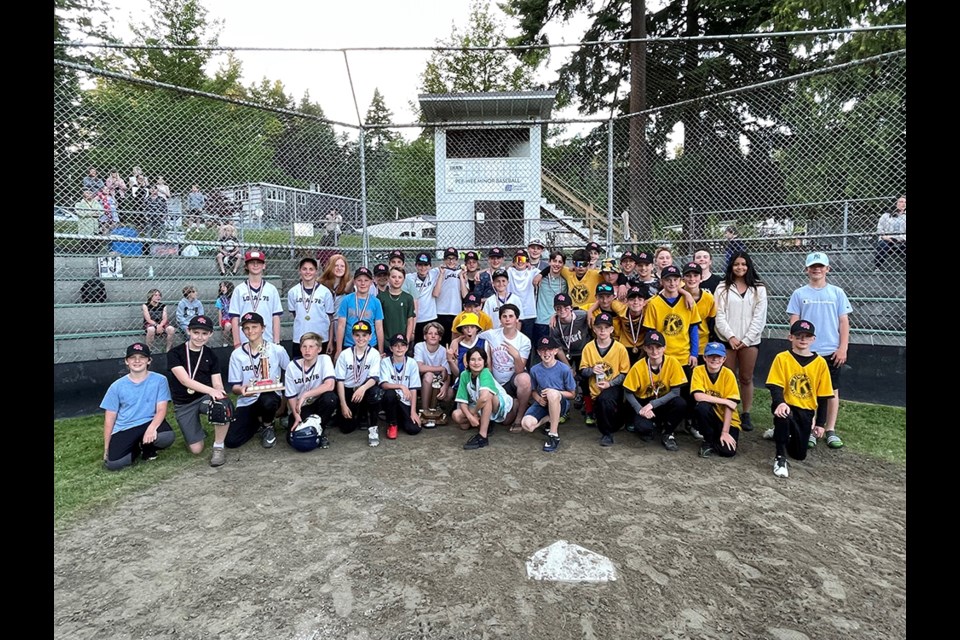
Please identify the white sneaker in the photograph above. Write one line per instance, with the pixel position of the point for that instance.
(780, 467)
(768, 434)
(373, 436)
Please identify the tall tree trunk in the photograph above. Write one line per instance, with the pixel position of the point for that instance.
(639, 174)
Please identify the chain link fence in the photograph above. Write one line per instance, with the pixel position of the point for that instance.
(792, 159)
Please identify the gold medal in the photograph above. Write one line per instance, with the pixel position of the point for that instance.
(191, 391)
(307, 318)
(635, 350)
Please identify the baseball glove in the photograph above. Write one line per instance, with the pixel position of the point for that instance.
(220, 411)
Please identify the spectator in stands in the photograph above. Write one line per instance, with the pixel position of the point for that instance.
(195, 203)
(135, 424)
(155, 212)
(741, 300)
(333, 228)
(162, 188)
(88, 212)
(223, 308)
(92, 182)
(155, 321)
(134, 181)
(228, 254)
(892, 228)
(733, 245)
(188, 308)
(109, 218)
(117, 185)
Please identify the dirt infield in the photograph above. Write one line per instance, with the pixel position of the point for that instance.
(418, 539)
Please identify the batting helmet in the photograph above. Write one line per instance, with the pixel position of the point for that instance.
(306, 437)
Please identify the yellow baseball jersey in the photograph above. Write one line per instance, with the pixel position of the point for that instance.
(802, 385)
(725, 387)
(646, 385)
(630, 327)
(707, 308)
(583, 291)
(617, 311)
(614, 363)
(485, 322)
(674, 321)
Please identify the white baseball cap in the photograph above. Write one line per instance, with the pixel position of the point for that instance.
(817, 257)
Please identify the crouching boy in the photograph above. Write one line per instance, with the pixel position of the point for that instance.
(715, 391)
(552, 388)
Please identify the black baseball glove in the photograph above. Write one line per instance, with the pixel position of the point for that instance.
(220, 411)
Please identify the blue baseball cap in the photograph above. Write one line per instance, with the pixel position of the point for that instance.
(714, 349)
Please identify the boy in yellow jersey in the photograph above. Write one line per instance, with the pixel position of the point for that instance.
(632, 330)
(799, 384)
(605, 364)
(653, 392)
(582, 281)
(706, 305)
(607, 303)
(471, 304)
(714, 388)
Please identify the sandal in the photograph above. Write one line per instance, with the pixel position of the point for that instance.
(516, 428)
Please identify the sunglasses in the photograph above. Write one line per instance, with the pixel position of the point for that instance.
(521, 259)
(579, 263)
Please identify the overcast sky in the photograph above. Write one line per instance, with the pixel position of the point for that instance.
(338, 23)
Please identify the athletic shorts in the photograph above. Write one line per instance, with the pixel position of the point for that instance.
(188, 419)
(834, 372)
(540, 413)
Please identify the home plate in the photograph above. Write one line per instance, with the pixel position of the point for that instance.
(566, 562)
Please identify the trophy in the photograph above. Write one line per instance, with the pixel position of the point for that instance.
(264, 382)
(434, 416)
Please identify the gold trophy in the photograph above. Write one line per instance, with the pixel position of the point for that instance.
(434, 416)
(264, 382)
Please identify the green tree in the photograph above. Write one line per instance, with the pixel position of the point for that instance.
(178, 23)
(378, 114)
(473, 71)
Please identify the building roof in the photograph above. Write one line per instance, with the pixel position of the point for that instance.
(487, 106)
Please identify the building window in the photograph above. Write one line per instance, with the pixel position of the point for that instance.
(488, 143)
(301, 199)
(276, 195)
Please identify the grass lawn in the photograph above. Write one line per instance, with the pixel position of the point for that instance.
(81, 483)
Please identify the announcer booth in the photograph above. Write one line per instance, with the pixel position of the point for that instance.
(487, 174)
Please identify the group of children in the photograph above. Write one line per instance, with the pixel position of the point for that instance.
(631, 349)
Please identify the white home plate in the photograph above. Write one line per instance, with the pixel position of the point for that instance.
(566, 562)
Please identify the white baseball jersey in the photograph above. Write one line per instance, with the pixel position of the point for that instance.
(353, 370)
(521, 283)
(245, 367)
(408, 376)
(427, 304)
(265, 301)
(449, 302)
(316, 305)
(300, 380)
(491, 306)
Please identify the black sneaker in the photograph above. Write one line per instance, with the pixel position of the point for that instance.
(745, 424)
(606, 440)
(552, 443)
(647, 436)
(476, 442)
(268, 437)
(706, 450)
(578, 400)
(669, 442)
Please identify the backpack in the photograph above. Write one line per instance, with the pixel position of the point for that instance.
(93, 290)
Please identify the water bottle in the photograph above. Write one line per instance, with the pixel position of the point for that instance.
(601, 377)
(150, 271)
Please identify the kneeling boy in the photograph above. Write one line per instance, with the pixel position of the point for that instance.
(715, 391)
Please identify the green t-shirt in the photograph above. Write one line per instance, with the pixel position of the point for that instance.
(396, 311)
(468, 391)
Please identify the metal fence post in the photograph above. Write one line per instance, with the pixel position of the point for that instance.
(363, 200)
(846, 221)
(610, 187)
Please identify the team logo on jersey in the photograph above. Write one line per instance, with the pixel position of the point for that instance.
(673, 325)
(800, 386)
(655, 389)
(711, 392)
(579, 294)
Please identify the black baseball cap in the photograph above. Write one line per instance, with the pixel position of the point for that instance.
(381, 269)
(654, 337)
(471, 255)
(547, 342)
(604, 289)
(451, 252)
(692, 267)
(499, 273)
(562, 300)
(627, 255)
(312, 261)
(644, 258)
(200, 322)
(138, 349)
(362, 271)
(520, 253)
(397, 339)
(495, 253)
(670, 272)
(592, 246)
(638, 292)
(802, 326)
(396, 253)
(471, 298)
(603, 318)
(361, 326)
(252, 316)
(423, 258)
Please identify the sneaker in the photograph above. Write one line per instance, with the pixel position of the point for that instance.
(578, 399)
(632, 428)
(833, 440)
(552, 443)
(218, 457)
(745, 424)
(544, 429)
(564, 418)
(476, 442)
(647, 436)
(606, 440)
(324, 442)
(591, 419)
(694, 433)
(268, 437)
(812, 442)
(768, 434)
(669, 442)
(373, 436)
(705, 450)
(780, 467)
(391, 432)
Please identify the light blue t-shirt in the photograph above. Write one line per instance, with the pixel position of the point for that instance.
(351, 309)
(135, 402)
(823, 307)
(549, 287)
(559, 377)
